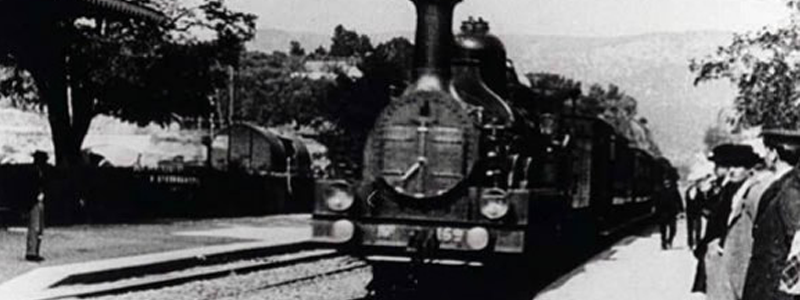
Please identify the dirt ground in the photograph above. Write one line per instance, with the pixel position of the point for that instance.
(81, 243)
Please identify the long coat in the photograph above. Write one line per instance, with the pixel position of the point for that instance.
(709, 266)
(777, 220)
(739, 241)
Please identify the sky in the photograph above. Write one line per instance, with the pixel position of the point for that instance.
(598, 18)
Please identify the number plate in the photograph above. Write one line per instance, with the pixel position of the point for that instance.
(385, 231)
(447, 235)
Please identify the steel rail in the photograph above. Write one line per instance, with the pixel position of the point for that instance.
(161, 280)
(315, 276)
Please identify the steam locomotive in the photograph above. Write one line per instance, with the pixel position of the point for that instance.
(469, 168)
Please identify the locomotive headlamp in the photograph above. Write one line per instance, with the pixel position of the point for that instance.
(547, 124)
(342, 230)
(494, 209)
(339, 197)
(494, 204)
(477, 238)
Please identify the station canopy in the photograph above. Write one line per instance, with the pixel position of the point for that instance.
(16, 9)
(120, 7)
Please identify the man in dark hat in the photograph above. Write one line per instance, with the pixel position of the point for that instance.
(738, 159)
(36, 217)
(668, 205)
(777, 219)
(696, 194)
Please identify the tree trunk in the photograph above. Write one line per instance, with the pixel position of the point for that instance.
(45, 58)
(43, 54)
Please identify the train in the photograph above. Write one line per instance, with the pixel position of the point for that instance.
(470, 169)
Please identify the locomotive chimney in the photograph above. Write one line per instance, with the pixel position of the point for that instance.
(433, 43)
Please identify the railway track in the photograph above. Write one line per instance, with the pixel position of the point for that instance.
(288, 257)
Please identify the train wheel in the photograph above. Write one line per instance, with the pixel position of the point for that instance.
(406, 281)
(392, 281)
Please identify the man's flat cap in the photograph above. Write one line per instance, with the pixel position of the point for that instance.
(39, 154)
(781, 138)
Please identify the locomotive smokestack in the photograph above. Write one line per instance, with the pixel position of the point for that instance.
(433, 43)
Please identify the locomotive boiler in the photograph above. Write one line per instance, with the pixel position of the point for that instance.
(469, 169)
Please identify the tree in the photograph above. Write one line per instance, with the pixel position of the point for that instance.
(347, 43)
(553, 92)
(275, 89)
(391, 61)
(270, 92)
(138, 71)
(386, 74)
(320, 52)
(295, 49)
(763, 67)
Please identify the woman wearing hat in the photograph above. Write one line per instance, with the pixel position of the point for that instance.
(738, 242)
(739, 159)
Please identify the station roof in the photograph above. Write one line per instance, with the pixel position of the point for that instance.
(126, 8)
(83, 7)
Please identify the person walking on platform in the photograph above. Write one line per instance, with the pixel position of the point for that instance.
(36, 216)
(711, 277)
(696, 195)
(668, 206)
(777, 219)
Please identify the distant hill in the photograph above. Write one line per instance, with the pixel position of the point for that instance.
(653, 68)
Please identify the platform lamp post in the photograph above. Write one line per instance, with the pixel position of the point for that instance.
(32, 32)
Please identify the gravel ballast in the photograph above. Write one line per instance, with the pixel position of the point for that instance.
(258, 285)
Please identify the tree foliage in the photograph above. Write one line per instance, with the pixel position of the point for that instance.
(764, 65)
(270, 92)
(348, 43)
(554, 91)
(295, 49)
(314, 90)
(138, 71)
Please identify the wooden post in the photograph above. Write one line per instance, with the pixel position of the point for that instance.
(230, 95)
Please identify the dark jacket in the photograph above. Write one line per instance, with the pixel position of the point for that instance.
(695, 198)
(777, 219)
(712, 198)
(718, 221)
(668, 202)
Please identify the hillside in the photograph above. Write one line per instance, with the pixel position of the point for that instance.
(653, 68)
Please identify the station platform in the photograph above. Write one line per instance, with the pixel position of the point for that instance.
(634, 268)
(111, 243)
